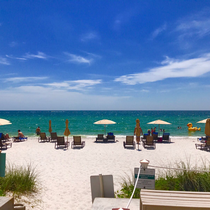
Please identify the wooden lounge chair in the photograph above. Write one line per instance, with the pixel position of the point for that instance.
(129, 141)
(144, 136)
(149, 142)
(77, 142)
(53, 136)
(110, 137)
(174, 200)
(205, 145)
(155, 136)
(43, 137)
(166, 137)
(100, 137)
(61, 142)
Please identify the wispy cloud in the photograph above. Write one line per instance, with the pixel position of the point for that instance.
(4, 61)
(78, 59)
(13, 44)
(197, 25)
(158, 31)
(17, 58)
(75, 85)
(89, 36)
(23, 79)
(39, 55)
(171, 68)
(124, 18)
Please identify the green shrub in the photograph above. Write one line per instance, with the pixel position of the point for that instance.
(186, 179)
(127, 186)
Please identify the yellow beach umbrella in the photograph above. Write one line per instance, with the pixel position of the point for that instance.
(50, 128)
(5, 122)
(67, 131)
(207, 127)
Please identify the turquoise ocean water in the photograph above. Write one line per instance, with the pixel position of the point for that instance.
(81, 122)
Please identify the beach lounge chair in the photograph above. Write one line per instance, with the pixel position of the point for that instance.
(110, 137)
(100, 137)
(129, 141)
(43, 137)
(18, 139)
(155, 136)
(166, 137)
(144, 136)
(149, 142)
(4, 145)
(205, 145)
(61, 142)
(53, 136)
(77, 142)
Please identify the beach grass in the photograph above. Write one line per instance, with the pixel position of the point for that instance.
(186, 178)
(19, 181)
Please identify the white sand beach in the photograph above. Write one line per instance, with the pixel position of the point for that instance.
(64, 175)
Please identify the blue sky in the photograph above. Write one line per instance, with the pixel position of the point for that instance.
(105, 55)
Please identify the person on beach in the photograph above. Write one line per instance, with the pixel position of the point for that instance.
(20, 134)
(138, 131)
(38, 131)
(152, 131)
(148, 131)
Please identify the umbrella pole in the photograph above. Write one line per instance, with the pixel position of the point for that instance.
(159, 129)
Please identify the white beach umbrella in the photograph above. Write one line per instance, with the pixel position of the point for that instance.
(4, 122)
(202, 121)
(159, 122)
(104, 122)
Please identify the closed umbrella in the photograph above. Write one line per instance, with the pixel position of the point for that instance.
(104, 122)
(159, 122)
(4, 122)
(67, 131)
(207, 127)
(50, 128)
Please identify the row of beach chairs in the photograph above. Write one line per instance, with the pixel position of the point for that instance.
(109, 137)
(147, 140)
(60, 140)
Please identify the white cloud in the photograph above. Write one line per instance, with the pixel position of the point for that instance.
(39, 55)
(75, 85)
(23, 79)
(171, 69)
(78, 59)
(13, 57)
(158, 31)
(13, 44)
(197, 25)
(89, 36)
(55, 99)
(4, 61)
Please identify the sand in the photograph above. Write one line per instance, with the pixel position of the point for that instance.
(64, 175)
